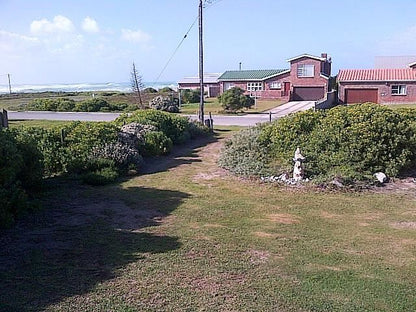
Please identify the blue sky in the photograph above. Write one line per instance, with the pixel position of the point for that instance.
(96, 41)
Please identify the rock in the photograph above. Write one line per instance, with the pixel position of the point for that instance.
(337, 182)
(381, 177)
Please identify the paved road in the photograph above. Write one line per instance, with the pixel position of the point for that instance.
(222, 120)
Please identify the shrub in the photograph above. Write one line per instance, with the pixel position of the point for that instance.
(54, 155)
(58, 104)
(102, 176)
(166, 89)
(92, 105)
(123, 156)
(244, 154)
(165, 103)
(234, 99)
(173, 126)
(20, 172)
(149, 90)
(190, 96)
(156, 143)
(82, 137)
(348, 142)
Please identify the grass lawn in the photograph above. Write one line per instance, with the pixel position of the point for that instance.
(212, 105)
(187, 236)
(38, 123)
(394, 106)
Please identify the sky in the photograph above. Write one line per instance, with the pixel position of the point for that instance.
(95, 41)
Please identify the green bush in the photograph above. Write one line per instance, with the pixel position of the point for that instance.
(59, 104)
(102, 176)
(173, 126)
(20, 173)
(234, 99)
(190, 96)
(244, 154)
(156, 143)
(54, 155)
(82, 137)
(92, 105)
(348, 142)
(149, 90)
(166, 89)
(165, 103)
(123, 156)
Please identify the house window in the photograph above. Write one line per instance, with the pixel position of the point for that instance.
(275, 85)
(398, 90)
(305, 70)
(254, 86)
(228, 86)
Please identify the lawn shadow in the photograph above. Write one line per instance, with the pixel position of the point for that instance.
(180, 155)
(80, 241)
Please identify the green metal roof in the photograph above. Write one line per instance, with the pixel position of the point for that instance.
(251, 75)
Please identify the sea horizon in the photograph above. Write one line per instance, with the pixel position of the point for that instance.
(81, 87)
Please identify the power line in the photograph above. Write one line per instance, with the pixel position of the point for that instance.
(207, 4)
(177, 48)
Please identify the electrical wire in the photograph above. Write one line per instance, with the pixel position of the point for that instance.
(177, 48)
(207, 4)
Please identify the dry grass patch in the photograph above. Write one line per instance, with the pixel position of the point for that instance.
(283, 218)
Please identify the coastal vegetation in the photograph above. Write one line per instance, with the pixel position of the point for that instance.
(187, 235)
(346, 143)
(97, 152)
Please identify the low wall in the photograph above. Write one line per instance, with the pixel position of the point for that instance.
(329, 102)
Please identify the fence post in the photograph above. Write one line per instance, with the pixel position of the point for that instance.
(4, 122)
(270, 116)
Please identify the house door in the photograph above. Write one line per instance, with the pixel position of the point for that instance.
(286, 88)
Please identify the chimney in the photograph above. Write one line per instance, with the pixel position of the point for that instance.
(324, 55)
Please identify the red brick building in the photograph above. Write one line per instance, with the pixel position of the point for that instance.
(211, 84)
(306, 79)
(384, 86)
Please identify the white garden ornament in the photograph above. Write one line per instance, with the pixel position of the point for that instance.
(298, 170)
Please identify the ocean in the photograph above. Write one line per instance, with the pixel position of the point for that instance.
(79, 87)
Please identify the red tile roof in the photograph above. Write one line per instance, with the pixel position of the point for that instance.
(402, 74)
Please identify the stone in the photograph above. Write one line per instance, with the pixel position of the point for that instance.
(381, 177)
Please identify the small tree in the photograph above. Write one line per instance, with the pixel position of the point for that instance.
(234, 99)
(137, 85)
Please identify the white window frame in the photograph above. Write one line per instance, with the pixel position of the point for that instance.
(398, 90)
(306, 70)
(275, 85)
(254, 86)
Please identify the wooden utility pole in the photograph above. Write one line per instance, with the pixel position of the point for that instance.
(201, 66)
(10, 86)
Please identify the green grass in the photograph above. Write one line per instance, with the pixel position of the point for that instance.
(396, 106)
(189, 237)
(212, 105)
(38, 123)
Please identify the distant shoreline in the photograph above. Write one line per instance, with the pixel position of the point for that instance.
(81, 87)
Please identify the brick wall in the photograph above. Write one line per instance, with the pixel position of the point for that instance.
(316, 81)
(384, 91)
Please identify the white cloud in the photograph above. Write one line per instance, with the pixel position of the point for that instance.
(14, 44)
(59, 24)
(135, 36)
(90, 25)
